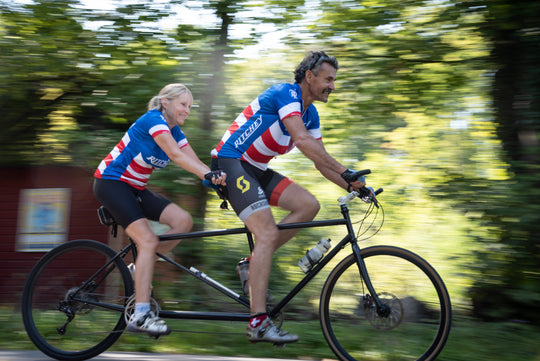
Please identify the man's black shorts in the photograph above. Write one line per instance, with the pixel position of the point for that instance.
(249, 188)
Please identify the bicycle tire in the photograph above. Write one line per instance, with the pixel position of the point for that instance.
(419, 321)
(53, 290)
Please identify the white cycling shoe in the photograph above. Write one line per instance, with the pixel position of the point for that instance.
(148, 323)
(268, 332)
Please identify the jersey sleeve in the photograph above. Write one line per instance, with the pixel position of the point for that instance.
(158, 129)
(179, 137)
(288, 102)
(152, 123)
(313, 125)
(156, 124)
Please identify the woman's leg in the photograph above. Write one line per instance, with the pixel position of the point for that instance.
(178, 220)
(147, 243)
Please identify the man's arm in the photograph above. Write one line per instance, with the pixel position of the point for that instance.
(314, 149)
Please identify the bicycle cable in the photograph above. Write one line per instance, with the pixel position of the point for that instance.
(366, 228)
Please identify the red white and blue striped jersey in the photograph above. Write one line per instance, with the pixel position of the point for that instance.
(134, 158)
(258, 134)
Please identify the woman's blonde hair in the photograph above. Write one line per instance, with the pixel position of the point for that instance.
(170, 92)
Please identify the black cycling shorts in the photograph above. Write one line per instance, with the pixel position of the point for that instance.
(249, 188)
(128, 204)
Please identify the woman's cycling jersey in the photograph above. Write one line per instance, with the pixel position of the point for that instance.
(134, 158)
(258, 134)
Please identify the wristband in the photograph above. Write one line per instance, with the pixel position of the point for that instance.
(213, 174)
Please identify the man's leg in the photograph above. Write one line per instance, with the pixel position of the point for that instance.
(303, 206)
(268, 239)
(264, 229)
(261, 328)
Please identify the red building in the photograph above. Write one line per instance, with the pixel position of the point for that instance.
(40, 207)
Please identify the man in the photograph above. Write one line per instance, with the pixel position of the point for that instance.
(278, 120)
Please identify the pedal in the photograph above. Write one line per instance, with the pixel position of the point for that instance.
(280, 345)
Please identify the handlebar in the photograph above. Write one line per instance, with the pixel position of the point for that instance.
(363, 172)
(367, 194)
(351, 176)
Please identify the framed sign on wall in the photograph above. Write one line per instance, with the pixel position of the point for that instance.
(43, 219)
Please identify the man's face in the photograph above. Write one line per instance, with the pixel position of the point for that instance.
(322, 85)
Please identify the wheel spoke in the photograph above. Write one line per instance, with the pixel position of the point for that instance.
(412, 322)
(62, 301)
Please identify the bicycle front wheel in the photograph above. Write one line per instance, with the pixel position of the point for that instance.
(413, 325)
(73, 300)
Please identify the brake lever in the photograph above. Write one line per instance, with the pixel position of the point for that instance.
(369, 195)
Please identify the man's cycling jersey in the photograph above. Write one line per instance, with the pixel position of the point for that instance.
(258, 134)
(134, 158)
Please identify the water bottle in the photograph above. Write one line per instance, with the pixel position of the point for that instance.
(314, 255)
(242, 270)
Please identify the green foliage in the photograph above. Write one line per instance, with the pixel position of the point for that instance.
(511, 276)
(41, 49)
(428, 89)
(438, 98)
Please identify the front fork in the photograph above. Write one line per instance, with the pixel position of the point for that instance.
(383, 310)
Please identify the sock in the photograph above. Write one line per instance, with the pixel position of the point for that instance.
(141, 308)
(256, 320)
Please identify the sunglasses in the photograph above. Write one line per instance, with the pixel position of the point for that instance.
(315, 62)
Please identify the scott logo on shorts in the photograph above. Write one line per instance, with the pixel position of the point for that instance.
(242, 184)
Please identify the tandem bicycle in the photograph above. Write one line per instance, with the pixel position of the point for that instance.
(378, 303)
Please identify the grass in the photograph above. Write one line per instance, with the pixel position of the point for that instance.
(469, 340)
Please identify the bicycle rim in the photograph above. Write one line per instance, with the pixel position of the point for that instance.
(417, 324)
(54, 290)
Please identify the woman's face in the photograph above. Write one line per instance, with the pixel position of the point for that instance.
(177, 110)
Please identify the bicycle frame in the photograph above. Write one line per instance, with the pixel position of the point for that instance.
(411, 294)
(225, 316)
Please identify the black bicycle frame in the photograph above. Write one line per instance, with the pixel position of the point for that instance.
(224, 316)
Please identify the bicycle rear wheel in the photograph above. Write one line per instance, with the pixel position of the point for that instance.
(78, 280)
(416, 324)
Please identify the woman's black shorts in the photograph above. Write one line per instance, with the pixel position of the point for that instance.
(128, 204)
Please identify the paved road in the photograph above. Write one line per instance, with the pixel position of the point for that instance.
(128, 356)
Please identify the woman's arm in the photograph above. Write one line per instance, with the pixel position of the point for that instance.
(185, 157)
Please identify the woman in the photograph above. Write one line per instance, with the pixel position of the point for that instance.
(120, 185)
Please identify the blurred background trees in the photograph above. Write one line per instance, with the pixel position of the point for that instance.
(439, 98)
